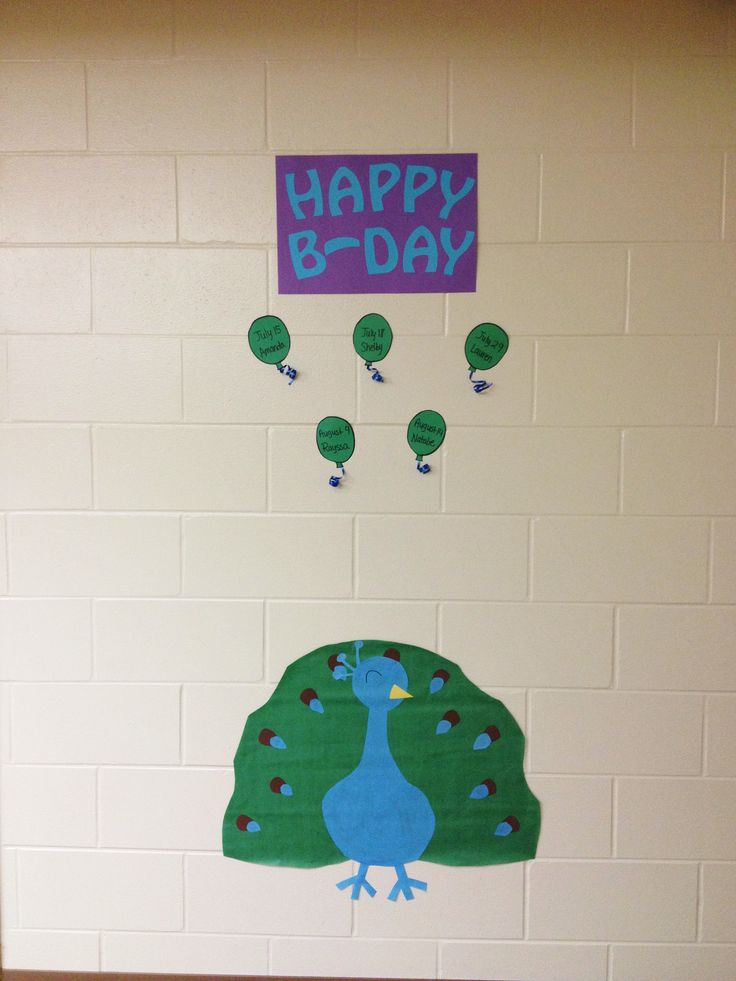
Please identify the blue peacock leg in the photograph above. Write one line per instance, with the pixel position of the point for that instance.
(404, 885)
(359, 882)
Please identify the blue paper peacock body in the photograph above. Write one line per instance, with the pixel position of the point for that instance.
(318, 780)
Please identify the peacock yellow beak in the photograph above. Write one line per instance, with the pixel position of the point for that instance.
(397, 692)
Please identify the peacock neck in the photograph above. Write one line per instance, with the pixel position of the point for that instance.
(376, 749)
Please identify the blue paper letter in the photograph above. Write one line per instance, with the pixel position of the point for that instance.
(298, 254)
(313, 194)
(353, 190)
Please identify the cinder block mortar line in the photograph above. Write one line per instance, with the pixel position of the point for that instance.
(615, 643)
(717, 387)
(247, 598)
(609, 962)
(535, 380)
(700, 904)
(627, 297)
(711, 561)
(620, 475)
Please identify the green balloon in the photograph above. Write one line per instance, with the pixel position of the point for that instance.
(485, 345)
(335, 439)
(426, 432)
(372, 337)
(269, 339)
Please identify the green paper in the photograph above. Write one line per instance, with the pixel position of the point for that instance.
(321, 748)
(372, 337)
(269, 339)
(335, 439)
(485, 345)
(426, 432)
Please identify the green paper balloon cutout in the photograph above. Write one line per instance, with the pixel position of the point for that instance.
(269, 341)
(336, 442)
(425, 434)
(372, 339)
(485, 346)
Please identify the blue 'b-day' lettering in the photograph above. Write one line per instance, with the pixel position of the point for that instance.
(389, 185)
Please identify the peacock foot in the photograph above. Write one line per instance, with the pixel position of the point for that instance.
(404, 885)
(358, 882)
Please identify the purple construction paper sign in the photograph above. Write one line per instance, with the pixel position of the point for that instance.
(366, 223)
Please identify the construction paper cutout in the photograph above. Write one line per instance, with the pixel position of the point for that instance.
(372, 780)
(367, 223)
(336, 443)
(269, 340)
(425, 434)
(372, 339)
(485, 345)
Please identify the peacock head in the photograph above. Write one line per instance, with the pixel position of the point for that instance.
(379, 682)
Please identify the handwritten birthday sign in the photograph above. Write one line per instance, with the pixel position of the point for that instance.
(360, 223)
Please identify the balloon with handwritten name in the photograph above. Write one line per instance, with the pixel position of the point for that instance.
(269, 340)
(485, 345)
(372, 339)
(425, 435)
(336, 443)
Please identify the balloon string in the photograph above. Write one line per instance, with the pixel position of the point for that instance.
(479, 385)
(376, 376)
(335, 479)
(287, 370)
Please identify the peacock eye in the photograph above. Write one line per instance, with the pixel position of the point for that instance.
(373, 677)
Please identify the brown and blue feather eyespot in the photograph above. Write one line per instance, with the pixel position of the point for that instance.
(310, 698)
(507, 827)
(245, 823)
(489, 735)
(487, 788)
(438, 681)
(267, 737)
(448, 721)
(279, 786)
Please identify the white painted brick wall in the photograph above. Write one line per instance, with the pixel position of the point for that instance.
(168, 543)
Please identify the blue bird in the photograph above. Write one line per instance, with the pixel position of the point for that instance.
(325, 772)
(374, 815)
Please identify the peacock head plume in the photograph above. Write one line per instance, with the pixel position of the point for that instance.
(379, 682)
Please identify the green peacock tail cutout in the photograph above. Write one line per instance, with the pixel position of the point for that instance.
(459, 746)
